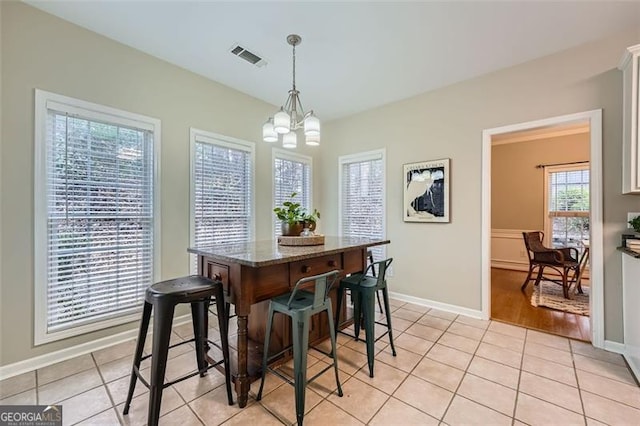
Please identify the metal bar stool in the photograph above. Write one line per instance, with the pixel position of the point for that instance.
(363, 288)
(300, 305)
(163, 297)
(373, 273)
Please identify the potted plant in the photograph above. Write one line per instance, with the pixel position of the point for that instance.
(309, 220)
(295, 218)
(635, 223)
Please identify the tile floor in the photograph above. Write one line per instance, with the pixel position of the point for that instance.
(449, 370)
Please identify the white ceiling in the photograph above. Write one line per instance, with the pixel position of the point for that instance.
(354, 55)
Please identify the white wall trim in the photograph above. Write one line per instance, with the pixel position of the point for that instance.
(454, 309)
(614, 347)
(41, 361)
(622, 349)
(594, 118)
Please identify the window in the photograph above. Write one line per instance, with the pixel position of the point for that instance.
(291, 173)
(362, 197)
(567, 206)
(221, 190)
(96, 215)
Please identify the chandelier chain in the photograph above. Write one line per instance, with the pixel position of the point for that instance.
(294, 67)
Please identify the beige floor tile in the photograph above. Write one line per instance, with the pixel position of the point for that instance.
(404, 360)
(396, 302)
(212, 408)
(386, 378)
(424, 396)
(495, 371)
(424, 332)
(327, 413)
(549, 353)
(256, 415)
(180, 365)
(197, 386)
(535, 411)
(499, 354)
(487, 393)
(118, 389)
(183, 416)
(587, 349)
(550, 370)
(360, 400)
(114, 370)
(65, 368)
(439, 374)
(474, 322)
(175, 339)
(139, 409)
(435, 322)
(17, 384)
(465, 330)
(450, 356)
(398, 324)
(443, 314)
(271, 382)
(62, 389)
(185, 331)
(416, 308)
(326, 382)
(465, 412)
(413, 343)
(508, 329)
(609, 411)
(603, 368)
(25, 398)
(547, 339)
(106, 418)
(361, 345)
(85, 405)
(395, 412)
(503, 340)
(609, 388)
(461, 343)
(349, 360)
(551, 391)
(407, 315)
(592, 422)
(112, 353)
(281, 402)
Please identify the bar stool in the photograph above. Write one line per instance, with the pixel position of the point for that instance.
(163, 297)
(373, 273)
(363, 288)
(300, 305)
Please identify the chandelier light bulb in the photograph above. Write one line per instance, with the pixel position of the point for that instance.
(311, 125)
(290, 140)
(269, 134)
(313, 140)
(281, 122)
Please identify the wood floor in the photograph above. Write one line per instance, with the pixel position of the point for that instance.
(510, 305)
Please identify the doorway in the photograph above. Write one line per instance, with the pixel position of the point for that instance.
(591, 328)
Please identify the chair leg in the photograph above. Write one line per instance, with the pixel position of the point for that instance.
(539, 277)
(379, 303)
(526, 281)
(385, 296)
(565, 283)
(368, 308)
(334, 355)
(357, 312)
(223, 326)
(340, 295)
(142, 336)
(161, 336)
(198, 312)
(300, 346)
(265, 352)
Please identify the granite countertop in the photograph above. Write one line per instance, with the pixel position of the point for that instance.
(268, 252)
(629, 252)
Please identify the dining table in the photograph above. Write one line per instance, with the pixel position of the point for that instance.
(254, 272)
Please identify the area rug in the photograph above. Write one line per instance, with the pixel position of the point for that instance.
(549, 295)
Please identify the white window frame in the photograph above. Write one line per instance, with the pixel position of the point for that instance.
(378, 154)
(203, 136)
(548, 231)
(291, 156)
(43, 101)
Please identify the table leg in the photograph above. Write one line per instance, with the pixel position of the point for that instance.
(242, 383)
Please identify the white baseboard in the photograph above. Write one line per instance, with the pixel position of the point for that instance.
(455, 309)
(24, 366)
(508, 264)
(613, 347)
(620, 348)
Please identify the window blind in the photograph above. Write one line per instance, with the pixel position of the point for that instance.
(568, 206)
(100, 237)
(222, 179)
(362, 199)
(291, 176)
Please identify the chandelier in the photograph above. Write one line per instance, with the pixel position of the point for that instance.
(291, 116)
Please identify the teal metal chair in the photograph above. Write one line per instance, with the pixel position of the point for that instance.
(363, 287)
(300, 305)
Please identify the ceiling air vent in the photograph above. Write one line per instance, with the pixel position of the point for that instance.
(250, 57)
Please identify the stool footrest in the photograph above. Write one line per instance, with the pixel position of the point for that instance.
(290, 380)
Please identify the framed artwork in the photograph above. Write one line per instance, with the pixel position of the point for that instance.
(426, 191)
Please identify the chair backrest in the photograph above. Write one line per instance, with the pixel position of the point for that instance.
(370, 256)
(323, 283)
(381, 266)
(533, 242)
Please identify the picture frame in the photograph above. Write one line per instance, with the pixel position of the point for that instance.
(426, 191)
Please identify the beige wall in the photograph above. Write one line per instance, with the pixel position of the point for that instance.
(41, 51)
(441, 262)
(517, 186)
